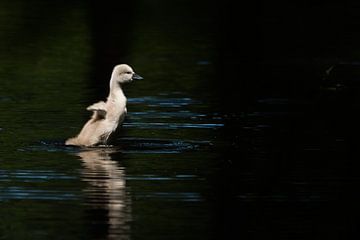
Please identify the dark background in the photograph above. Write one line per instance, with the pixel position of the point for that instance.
(282, 78)
(304, 160)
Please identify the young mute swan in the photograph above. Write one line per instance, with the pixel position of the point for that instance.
(107, 116)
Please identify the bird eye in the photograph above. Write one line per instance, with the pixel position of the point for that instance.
(128, 72)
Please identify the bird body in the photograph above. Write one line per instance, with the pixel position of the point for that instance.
(107, 116)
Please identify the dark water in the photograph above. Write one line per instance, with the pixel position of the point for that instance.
(56, 58)
(236, 132)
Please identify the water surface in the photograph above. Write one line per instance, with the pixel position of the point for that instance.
(228, 135)
(153, 181)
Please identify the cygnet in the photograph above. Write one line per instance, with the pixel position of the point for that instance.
(107, 116)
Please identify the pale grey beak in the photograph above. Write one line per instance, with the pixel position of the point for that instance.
(137, 77)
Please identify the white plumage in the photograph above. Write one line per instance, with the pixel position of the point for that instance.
(107, 116)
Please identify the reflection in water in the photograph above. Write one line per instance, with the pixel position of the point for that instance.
(106, 192)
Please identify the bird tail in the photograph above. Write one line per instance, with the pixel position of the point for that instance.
(72, 141)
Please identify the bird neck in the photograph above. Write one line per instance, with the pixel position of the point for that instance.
(116, 91)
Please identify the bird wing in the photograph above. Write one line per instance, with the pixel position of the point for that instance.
(99, 108)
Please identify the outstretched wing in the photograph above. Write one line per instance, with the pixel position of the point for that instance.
(98, 108)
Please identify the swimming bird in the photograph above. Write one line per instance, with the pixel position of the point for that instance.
(107, 116)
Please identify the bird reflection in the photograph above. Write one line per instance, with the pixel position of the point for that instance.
(106, 193)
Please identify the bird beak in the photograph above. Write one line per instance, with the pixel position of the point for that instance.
(137, 77)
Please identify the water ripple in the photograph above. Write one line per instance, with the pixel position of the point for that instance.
(166, 115)
(11, 193)
(29, 175)
(172, 196)
(154, 145)
(150, 177)
(162, 102)
(126, 145)
(142, 125)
